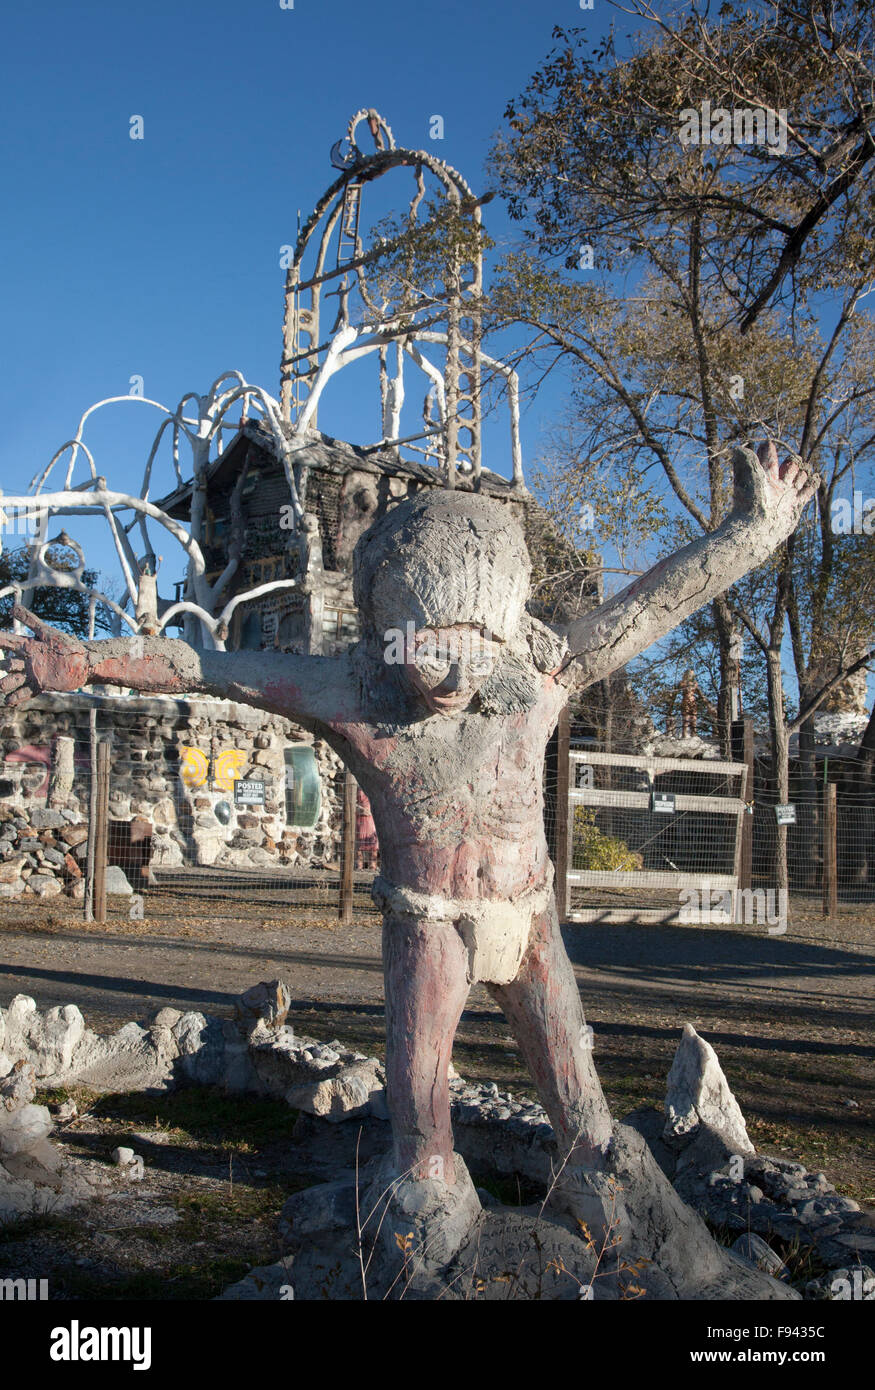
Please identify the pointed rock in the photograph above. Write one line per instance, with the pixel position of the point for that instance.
(698, 1093)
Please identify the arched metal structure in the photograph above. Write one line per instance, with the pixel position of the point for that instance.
(422, 329)
(312, 355)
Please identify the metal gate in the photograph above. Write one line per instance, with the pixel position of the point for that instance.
(646, 833)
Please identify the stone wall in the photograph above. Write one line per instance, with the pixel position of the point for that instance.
(173, 763)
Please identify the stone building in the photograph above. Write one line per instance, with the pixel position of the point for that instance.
(173, 768)
(344, 489)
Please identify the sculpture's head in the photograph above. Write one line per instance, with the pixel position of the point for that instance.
(441, 583)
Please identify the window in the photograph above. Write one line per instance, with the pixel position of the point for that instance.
(250, 632)
(340, 625)
(303, 787)
(291, 628)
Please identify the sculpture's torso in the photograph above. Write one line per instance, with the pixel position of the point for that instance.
(458, 799)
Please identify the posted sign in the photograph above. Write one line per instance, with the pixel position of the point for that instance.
(785, 815)
(662, 802)
(248, 792)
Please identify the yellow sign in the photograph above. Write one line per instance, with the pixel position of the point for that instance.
(228, 769)
(193, 767)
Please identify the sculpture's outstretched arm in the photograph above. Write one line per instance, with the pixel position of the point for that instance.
(768, 502)
(308, 689)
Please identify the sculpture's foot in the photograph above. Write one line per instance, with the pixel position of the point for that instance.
(637, 1223)
(594, 1202)
(417, 1226)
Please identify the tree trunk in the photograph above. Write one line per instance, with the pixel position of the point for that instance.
(725, 626)
(780, 746)
(861, 782)
(808, 814)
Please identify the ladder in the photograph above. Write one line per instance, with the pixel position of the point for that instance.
(347, 244)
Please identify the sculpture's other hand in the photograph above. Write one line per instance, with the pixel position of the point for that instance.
(50, 660)
(770, 492)
(768, 502)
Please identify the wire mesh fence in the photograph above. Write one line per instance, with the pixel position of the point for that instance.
(855, 848)
(643, 829)
(694, 836)
(176, 829)
(181, 827)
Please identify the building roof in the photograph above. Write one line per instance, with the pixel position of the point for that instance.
(321, 453)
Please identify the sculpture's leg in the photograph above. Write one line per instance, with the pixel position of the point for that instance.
(544, 1010)
(425, 969)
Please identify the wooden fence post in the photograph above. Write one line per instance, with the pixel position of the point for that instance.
(563, 821)
(830, 852)
(743, 752)
(99, 829)
(347, 852)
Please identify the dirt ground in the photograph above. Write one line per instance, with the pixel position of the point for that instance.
(790, 1016)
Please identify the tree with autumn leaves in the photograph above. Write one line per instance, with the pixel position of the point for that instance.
(705, 295)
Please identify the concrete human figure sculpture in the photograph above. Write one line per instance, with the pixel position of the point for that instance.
(689, 703)
(691, 696)
(446, 735)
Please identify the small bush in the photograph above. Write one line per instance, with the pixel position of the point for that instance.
(595, 850)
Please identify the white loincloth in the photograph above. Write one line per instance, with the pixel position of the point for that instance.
(495, 932)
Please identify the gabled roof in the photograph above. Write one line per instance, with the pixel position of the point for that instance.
(320, 453)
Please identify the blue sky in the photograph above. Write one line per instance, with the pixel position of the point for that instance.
(160, 257)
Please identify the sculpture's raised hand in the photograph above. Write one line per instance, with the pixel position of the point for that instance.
(50, 660)
(769, 491)
(768, 502)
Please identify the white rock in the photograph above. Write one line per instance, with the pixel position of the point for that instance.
(759, 1253)
(116, 881)
(48, 1042)
(63, 1030)
(131, 1059)
(45, 887)
(338, 1097)
(46, 819)
(698, 1093)
(11, 868)
(123, 1156)
(23, 1128)
(18, 1087)
(166, 853)
(20, 1197)
(187, 1031)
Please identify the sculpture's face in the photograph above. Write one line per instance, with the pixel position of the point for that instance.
(448, 665)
